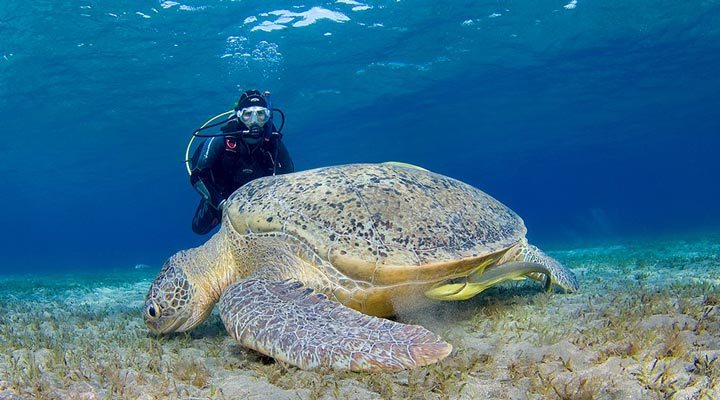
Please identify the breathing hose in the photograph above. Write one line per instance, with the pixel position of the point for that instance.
(194, 135)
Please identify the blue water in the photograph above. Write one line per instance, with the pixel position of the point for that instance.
(595, 121)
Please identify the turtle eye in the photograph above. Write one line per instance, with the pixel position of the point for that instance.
(153, 311)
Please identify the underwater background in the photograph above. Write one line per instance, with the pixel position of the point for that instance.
(597, 122)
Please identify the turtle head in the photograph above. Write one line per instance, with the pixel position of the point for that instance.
(188, 286)
(172, 303)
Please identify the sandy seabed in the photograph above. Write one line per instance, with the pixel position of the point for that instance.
(645, 325)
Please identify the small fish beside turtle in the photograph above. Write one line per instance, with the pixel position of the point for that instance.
(305, 265)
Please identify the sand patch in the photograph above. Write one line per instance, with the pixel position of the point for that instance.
(646, 324)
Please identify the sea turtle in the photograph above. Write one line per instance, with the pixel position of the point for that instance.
(304, 264)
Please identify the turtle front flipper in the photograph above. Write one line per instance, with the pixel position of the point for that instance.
(289, 322)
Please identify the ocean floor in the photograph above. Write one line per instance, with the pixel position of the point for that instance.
(645, 325)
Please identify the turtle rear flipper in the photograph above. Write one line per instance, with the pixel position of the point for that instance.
(487, 278)
(289, 322)
(559, 274)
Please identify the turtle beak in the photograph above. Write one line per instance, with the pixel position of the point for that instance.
(159, 328)
(175, 327)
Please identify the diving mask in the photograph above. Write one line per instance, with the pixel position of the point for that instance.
(254, 116)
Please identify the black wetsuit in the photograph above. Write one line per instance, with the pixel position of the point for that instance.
(223, 164)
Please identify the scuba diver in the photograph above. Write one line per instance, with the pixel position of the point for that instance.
(248, 147)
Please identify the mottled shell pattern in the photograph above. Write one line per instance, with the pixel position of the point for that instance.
(380, 223)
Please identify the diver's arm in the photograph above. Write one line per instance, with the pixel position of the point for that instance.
(201, 176)
(284, 162)
(209, 192)
(209, 152)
